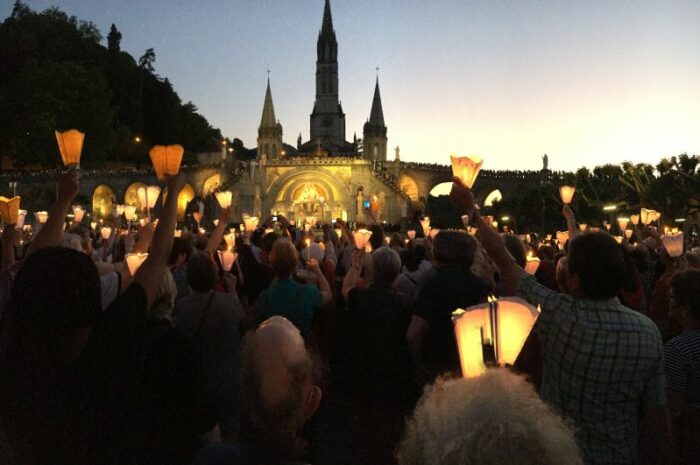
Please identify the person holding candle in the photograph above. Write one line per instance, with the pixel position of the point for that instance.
(583, 378)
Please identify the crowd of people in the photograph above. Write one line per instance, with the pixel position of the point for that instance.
(187, 359)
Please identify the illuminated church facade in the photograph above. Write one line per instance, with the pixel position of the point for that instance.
(326, 176)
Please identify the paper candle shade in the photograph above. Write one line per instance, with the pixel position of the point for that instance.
(197, 217)
(562, 237)
(673, 243)
(634, 219)
(134, 261)
(618, 239)
(230, 240)
(93, 225)
(21, 215)
(425, 224)
(166, 159)
(224, 198)
(130, 212)
(434, 232)
(532, 264)
(148, 196)
(506, 322)
(251, 223)
(226, 257)
(566, 193)
(41, 217)
(582, 227)
(216, 222)
(646, 216)
(78, 214)
(411, 234)
(70, 144)
(656, 216)
(374, 204)
(361, 238)
(622, 223)
(9, 209)
(466, 168)
(106, 232)
(628, 233)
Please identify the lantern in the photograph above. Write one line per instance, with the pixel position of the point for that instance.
(434, 232)
(566, 193)
(532, 264)
(216, 222)
(148, 196)
(202, 231)
(41, 217)
(673, 243)
(227, 257)
(178, 233)
(93, 225)
(166, 159)
(70, 144)
(634, 219)
(656, 216)
(130, 212)
(622, 223)
(628, 233)
(21, 215)
(411, 234)
(425, 224)
(494, 224)
(143, 222)
(251, 223)
(134, 261)
(78, 214)
(361, 238)
(224, 198)
(646, 216)
(506, 322)
(582, 227)
(9, 209)
(197, 216)
(106, 232)
(230, 240)
(618, 239)
(119, 209)
(472, 231)
(374, 204)
(562, 237)
(466, 168)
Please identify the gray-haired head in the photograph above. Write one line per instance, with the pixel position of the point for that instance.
(386, 266)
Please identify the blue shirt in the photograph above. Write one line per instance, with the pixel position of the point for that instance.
(296, 302)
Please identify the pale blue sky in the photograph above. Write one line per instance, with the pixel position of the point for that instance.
(587, 82)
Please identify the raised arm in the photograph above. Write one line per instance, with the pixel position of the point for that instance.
(51, 233)
(150, 274)
(217, 235)
(570, 221)
(323, 285)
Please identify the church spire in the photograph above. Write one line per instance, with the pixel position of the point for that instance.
(376, 116)
(268, 119)
(327, 27)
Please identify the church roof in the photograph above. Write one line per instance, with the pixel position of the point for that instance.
(268, 119)
(376, 116)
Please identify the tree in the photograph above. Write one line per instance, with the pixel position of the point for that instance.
(114, 39)
(147, 60)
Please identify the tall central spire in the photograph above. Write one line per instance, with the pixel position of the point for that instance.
(327, 27)
(327, 118)
(376, 116)
(268, 119)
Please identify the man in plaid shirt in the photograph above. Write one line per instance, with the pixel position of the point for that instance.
(603, 363)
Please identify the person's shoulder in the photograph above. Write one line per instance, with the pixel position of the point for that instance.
(687, 340)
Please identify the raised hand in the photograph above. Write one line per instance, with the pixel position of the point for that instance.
(461, 196)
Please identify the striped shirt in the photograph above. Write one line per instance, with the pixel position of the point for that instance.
(602, 363)
(682, 367)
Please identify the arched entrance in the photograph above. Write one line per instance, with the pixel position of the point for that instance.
(309, 193)
(183, 199)
(211, 185)
(409, 186)
(103, 199)
(131, 196)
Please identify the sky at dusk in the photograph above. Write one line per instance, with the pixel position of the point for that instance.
(587, 82)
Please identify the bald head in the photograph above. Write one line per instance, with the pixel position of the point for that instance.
(279, 395)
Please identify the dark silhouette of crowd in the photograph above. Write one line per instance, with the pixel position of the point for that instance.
(133, 346)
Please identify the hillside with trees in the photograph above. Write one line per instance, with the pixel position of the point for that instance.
(55, 73)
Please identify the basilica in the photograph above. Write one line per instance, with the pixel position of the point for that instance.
(327, 176)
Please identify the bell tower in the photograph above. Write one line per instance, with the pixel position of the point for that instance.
(374, 131)
(270, 130)
(327, 118)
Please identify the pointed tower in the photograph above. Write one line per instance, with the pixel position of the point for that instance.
(327, 118)
(270, 130)
(374, 131)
